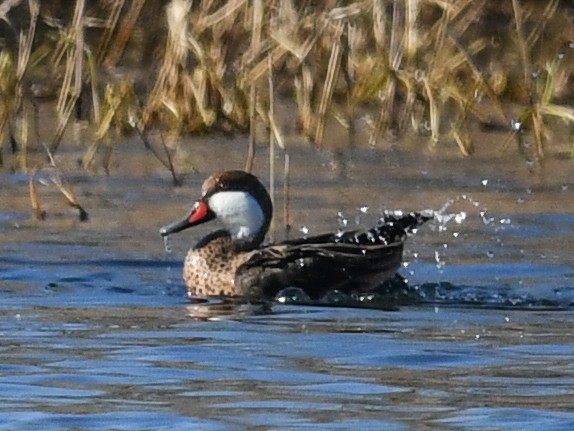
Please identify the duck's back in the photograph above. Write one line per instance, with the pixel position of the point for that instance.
(350, 261)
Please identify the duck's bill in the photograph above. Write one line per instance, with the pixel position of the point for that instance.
(176, 226)
(200, 213)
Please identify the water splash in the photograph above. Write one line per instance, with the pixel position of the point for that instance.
(444, 218)
(166, 245)
(485, 219)
(292, 295)
(342, 220)
(448, 221)
(440, 264)
(486, 296)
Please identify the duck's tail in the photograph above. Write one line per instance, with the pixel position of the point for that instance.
(395, 226)
(409, 223)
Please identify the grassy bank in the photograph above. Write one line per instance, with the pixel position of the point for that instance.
(430, 67)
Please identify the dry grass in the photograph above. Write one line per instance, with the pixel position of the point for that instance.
(418, 66)
(57, 178)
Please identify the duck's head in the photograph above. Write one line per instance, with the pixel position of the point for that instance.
(238, 200)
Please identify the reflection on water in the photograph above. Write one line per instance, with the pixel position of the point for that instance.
(97, 332)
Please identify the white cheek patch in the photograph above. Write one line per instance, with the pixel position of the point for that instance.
(239, 212)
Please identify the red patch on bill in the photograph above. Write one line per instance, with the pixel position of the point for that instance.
(199, 213)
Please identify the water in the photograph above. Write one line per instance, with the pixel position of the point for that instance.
(97, 332)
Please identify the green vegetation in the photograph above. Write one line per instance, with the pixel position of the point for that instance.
(416, 66)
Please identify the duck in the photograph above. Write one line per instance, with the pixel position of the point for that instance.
(235, 262)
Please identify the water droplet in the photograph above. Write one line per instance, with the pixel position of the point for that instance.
(367, 298)
(486, 220)
(166, 245)
(132, 120)
(439, 263)
(478, 95)
(460, 217)
(334, 297)
(515, 125)
(342, 220)
(292, 295)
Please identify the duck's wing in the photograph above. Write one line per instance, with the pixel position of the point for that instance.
(346, 261)
(392, 228)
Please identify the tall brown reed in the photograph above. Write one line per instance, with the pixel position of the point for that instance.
(419, 66)
(12, 82)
